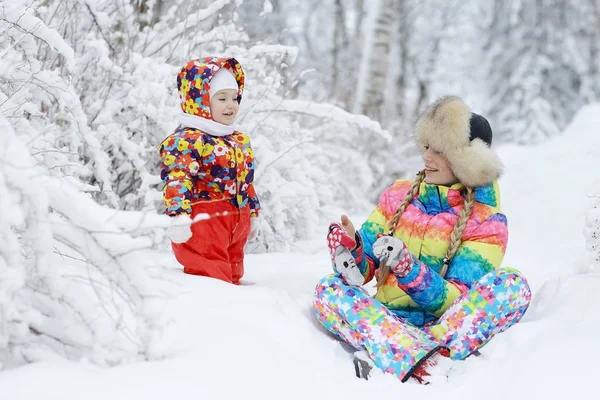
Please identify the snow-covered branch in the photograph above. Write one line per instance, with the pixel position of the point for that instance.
(21, 17)
(74, 282)
(333, 114)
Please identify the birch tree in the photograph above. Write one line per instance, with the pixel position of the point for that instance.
(375, 58)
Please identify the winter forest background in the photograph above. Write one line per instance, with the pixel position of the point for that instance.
(87, 92)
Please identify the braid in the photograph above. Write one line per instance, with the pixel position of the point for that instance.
(384, 269)
(407, 199)
(456, 235)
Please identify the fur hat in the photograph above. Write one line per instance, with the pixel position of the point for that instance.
(449, 127)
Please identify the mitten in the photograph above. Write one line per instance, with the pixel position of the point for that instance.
(180, 230)
(340, 245)
(393, 252)
(253, 228)
(344, 264)
(338, 236)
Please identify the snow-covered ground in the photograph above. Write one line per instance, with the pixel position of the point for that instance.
(261, 340)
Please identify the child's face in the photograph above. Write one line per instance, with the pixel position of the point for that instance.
(224, 106)
(437, 169)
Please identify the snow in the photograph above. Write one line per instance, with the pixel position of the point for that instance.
(261, 340)
(267, 7)
(334, 114)
(14, 13)
(274, 50)
(545, 195)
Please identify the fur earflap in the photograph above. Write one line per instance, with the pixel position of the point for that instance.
(445, 127)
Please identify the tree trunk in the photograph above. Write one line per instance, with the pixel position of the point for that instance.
(378, 63)
(147, 17)
(339, 45)
(403, 38)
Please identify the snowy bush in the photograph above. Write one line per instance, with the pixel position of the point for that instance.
(76, 276)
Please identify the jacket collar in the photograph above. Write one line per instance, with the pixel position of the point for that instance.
(437, 198)
(208, 126)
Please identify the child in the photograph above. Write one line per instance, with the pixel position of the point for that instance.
(435, 245)
(208, 168)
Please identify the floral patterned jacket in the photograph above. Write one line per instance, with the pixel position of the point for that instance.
(197, 166)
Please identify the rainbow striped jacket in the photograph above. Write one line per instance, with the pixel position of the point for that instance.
(425, 226)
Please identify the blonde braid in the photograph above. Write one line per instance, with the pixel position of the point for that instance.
(407, 199)
(384, 269)
(456, 235)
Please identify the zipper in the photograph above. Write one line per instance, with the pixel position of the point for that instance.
(235, 146)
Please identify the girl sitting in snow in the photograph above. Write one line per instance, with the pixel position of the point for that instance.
(435, 245)
(208, 169)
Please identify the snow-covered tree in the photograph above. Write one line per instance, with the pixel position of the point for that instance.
(539, 57)
(76, 276)
(586, 44)
(374, 61)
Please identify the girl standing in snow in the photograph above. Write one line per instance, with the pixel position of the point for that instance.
(435, 245)
(208, 168)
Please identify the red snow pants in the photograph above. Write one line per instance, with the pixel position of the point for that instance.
(216, 248)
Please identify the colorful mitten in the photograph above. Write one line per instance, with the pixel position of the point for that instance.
(340, 245)
(338, 236)
(344, 263)
(393, 252)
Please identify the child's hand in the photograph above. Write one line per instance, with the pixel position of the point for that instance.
(180, 230)
(340, 244)
(348, 226)
(253, 229)
(393, 252)
(338, 235)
